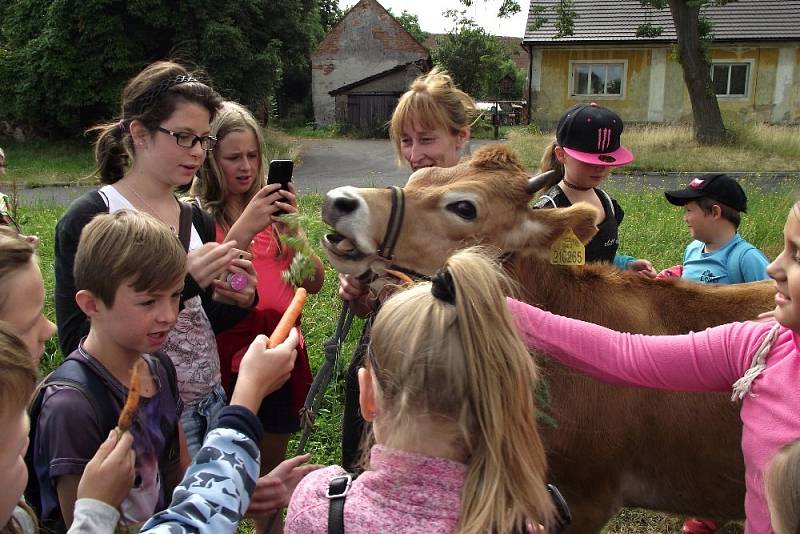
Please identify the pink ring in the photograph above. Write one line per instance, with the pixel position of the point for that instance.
(238, 281)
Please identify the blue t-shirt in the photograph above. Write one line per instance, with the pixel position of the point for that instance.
(736, 262)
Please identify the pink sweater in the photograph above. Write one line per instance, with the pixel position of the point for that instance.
(705, 361)
(402, 492)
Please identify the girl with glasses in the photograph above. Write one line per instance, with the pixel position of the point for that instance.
(157, 145)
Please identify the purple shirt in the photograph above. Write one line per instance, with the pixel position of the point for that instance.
(68, 435)
(401, 492)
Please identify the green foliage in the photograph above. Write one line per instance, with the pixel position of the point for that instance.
(329, 14)
(565, 18)
(410, 22)
(472, 56)
(649, 31)
(63, 64)
(302, 267)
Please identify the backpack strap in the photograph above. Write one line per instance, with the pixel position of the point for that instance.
(185, 225)
(609, 203)
(76, 374)
(338, 488)
(547, 200)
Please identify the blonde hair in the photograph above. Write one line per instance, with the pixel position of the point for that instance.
(210, 185)
(123, 246)
(150, 97)
(15, 254)
(550, 162)
(433, 101)
(463, 366)
(783, 489)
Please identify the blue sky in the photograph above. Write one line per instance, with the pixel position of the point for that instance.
(431, 19)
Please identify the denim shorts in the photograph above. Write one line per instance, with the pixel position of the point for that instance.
(200, 418)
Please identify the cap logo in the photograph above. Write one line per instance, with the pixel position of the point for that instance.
(606, 158)
(603, 138)
(697, 182)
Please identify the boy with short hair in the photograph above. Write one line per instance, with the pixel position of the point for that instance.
(129, 273)
(718, 255)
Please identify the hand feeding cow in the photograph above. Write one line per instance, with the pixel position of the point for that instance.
(612, 446)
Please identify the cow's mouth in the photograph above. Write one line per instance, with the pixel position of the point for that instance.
(342, 247)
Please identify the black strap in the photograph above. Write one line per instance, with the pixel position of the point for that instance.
(386, 249)
(185, 225)
(337, 492)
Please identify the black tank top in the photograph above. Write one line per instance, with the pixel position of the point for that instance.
(603, 246)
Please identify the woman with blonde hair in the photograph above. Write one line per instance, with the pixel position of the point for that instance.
(449, 389)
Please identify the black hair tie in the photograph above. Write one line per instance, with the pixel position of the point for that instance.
(442, 286)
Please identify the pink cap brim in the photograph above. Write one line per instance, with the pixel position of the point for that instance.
(621, 156)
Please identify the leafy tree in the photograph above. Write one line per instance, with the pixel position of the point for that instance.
(410, 22)
(63, 64)
(694, 35)
(329, 14)
(472, 56)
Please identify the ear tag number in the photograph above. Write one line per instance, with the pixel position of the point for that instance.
(568, 250)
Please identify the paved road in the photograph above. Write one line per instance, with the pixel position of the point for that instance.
(331, 163)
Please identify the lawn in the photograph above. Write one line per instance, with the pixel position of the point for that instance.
(652, 229)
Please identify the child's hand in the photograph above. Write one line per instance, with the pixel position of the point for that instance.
(264, 370)
(643, 268)
(258, 214)
(207, 262)
(108, 476)
(274, 490)
(243, 298)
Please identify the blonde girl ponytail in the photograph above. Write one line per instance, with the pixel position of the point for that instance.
(550, 162)
(449, 352)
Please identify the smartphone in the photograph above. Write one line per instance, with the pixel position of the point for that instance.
(280, 172)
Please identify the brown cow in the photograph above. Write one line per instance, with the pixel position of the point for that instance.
(613, 446)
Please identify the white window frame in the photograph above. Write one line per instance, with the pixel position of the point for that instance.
(748, 82)
(571, 78)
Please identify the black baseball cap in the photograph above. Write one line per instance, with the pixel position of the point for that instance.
(591, 134)
(717, 186)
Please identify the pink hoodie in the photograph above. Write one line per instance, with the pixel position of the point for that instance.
(705, 361)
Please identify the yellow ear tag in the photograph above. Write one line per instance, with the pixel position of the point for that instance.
(568, 250)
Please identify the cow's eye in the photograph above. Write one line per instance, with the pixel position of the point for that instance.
(464, 209)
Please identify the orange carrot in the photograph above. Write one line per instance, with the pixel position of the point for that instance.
(131, 403)
(289, 318)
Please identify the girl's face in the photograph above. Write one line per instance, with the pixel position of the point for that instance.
(239, 160)
(12, 461)
(158, 152)
(23, 309)
(785, 270)
(422, 147)
(582, 174)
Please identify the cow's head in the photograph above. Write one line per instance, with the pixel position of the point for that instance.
(485, 200)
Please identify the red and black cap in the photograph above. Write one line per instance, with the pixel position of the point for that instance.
(591, 134)
(716, 186)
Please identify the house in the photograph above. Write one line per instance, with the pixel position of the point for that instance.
(362, 67)
(755, 59)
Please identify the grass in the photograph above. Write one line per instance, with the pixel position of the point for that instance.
(652, 229)
(661, 148)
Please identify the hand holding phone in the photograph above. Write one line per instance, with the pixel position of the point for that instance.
(280, 172)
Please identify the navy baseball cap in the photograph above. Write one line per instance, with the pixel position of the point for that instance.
(591, 134)
(716, 186)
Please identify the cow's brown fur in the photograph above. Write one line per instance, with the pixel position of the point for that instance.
(613, 446)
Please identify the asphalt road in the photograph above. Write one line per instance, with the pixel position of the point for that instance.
(330, 163)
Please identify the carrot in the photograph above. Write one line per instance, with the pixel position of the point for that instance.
(289, 318)
(131, 403)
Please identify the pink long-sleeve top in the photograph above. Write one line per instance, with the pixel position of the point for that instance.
(401, 492)
(711, 360)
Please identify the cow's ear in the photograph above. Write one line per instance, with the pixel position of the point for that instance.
(547, 225)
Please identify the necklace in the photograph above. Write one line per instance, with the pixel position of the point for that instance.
(576, 187)
(150, 208)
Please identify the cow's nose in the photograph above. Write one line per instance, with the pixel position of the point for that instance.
(340, 202)
(345, 205)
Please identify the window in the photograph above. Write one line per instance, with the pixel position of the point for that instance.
(597, 79)
(730, 79)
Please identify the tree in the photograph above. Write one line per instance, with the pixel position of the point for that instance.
(471, 56)
(410, 22)
(329, 14)
(694, 34)
(63, 64)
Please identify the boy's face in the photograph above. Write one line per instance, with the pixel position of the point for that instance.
(23, 309)
(700, 223)
(12, 460)
(138, 321)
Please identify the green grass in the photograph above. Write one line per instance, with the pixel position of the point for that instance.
(652, 229)
(662, 148)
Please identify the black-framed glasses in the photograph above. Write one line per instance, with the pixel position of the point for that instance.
(188, 140)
